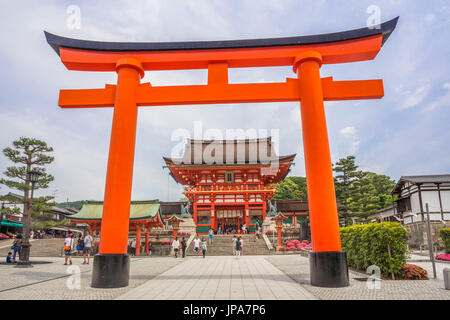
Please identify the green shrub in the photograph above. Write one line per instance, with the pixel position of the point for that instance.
(445, 236)
(370, 244)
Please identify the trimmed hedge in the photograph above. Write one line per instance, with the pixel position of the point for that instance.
(370, 244)
(445, 236)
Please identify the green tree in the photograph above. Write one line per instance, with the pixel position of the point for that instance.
(288, 189)
(360, 193)
(28, 154)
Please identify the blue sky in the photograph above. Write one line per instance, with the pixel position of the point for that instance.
(405, 133)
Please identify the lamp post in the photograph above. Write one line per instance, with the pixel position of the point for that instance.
(175, 224)
(279, 219)
(24, 258)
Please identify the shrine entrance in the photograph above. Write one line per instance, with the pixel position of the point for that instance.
(306, 55)
(231, 219)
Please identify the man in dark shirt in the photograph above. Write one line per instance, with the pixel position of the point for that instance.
(183, 247)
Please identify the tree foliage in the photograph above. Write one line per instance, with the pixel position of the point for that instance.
(28, 154)
(360, 193)
(291, 188)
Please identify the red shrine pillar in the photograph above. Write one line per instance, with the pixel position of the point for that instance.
(138, 240)
(328, 265)
(147, 237)
(112, 264)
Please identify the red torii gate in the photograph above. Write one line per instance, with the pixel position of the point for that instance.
(306, 54)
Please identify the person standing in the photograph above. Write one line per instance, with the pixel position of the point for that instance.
(219, 229)
(211, 235)
(17, 245)
(68, 248)
(244, 228)
(238, 248)
(80, 245)
(197, 245)
(234, 245)
(87, 249)
(176, 246)
(133, 247)
(241, 243)
(204, 248)
(183, 247)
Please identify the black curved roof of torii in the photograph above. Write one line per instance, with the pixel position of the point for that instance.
(385, 29)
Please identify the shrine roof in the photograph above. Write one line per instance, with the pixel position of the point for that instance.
(229, 152)
(139, 210)
(385, 29)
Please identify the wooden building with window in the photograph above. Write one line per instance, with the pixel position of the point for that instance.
(229, 181)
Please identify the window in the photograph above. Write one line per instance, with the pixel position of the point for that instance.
(229, 177)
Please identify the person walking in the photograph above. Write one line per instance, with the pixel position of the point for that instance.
(197, 245)
(234, 245)
(68, 248)
(183, 247)
(80, 245)
(238, 248)
(211, 235)
(244, 228)
(87, 249)
(176, 246)
(17, 246)
(241, 243)
(133, 247)
(204, 248)
(219, 229)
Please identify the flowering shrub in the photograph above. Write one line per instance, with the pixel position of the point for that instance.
(443, 257)
(413, 272)
(282, 249)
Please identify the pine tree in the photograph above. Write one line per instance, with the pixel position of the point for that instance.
(28, 154)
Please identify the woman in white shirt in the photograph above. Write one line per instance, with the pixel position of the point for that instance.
(68, 248)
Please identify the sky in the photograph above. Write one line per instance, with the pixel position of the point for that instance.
(405, 133)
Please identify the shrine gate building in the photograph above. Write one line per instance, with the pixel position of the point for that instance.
(229, 181)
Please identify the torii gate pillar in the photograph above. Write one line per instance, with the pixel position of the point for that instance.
(112, 264)
(328, 264)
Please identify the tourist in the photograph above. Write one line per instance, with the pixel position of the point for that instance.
(80, 245)
(197, 245)
(238, 248)
(133, 247)
(9, 257)
(87, 248)
(149, 248)
(17, 245)
(244, 228)
(211, 235)
(176, 246)
(68, 248)
(241, 243)
(204, 248)
(234, 245)
(183, 247)
(219, 229)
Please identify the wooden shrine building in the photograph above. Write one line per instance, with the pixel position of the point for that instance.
(229, 181)
(144, 215)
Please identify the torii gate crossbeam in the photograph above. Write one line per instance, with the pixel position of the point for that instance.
(305, 54)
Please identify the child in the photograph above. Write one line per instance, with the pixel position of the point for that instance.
(9, 257)
(204, 247)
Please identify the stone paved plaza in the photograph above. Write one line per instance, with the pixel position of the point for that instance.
(283, 277)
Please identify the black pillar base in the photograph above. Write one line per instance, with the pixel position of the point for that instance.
(111, 271)
(23, 264)
(329, 269)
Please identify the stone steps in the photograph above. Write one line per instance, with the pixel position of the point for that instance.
(41, 248)
(223, 245)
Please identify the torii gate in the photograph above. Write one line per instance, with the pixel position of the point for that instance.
(306, 54)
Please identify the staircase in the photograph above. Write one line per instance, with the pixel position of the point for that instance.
(41, 248)
(223, 246)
